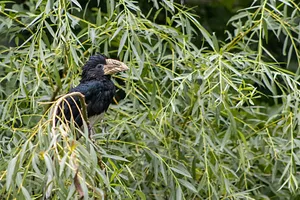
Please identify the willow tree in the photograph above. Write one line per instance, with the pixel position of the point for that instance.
(195, 118)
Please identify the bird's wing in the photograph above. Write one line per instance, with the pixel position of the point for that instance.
(98, 96)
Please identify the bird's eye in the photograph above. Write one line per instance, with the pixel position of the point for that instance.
(99, 66)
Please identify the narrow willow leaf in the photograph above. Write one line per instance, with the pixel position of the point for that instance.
(74, 54)
(285, 43)
(130, 172)
(99, 18)
(163, 172)
(265, 29)
(36, 19)
(286, 2)
(121, 19)
(122, 42)
(62, 164)
(269, 53)
(26, 193)
(103, 176)
(207, 37)
(114, 157)
(110, 8)
(93, 155)
(178, 193)
(209, 71)
(92, 35)
(289, 55)
(169, 4)
(49, 28)
(41, 50)
(188, 185)
(232, 68)
(116, 32)
(215, 43)
(267, 83)
(238, 16)
(35, 162)
(38, 4)
(182, 171)
(284, 174)
(225, 138)
(141, 119)
(133, 47)
(77, 4)
(48, 7)
(173, 105)
(141, 195)
(71, 192)
(49, 164)
(290, 83)
(31, 51)
(10, 172)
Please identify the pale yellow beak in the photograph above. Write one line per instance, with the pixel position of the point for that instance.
(114, 66)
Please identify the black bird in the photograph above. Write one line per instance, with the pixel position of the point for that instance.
(97, 88)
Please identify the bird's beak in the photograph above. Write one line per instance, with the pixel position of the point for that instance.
(114, 66)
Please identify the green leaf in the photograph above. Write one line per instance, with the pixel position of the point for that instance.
(265, 29)
(122, 42)
(141, 195)
(188, 185)
(215, 43)
(10, 172)
(114, 157)
(26, 193)
(181, 170)
(76, 3)
(62, 164)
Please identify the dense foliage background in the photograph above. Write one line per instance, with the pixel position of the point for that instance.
(208, 110)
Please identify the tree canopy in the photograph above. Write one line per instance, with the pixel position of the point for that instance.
(208, 110)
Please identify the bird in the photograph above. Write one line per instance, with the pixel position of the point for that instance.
(98, 90)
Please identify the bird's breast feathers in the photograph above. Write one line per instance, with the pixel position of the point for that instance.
(95, 118)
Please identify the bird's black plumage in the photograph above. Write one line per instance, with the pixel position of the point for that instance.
(93, 61)
(96, 86)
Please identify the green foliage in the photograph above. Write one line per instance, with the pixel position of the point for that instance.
(200, 120)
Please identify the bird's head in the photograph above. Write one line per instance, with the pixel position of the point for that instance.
(99, 66)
